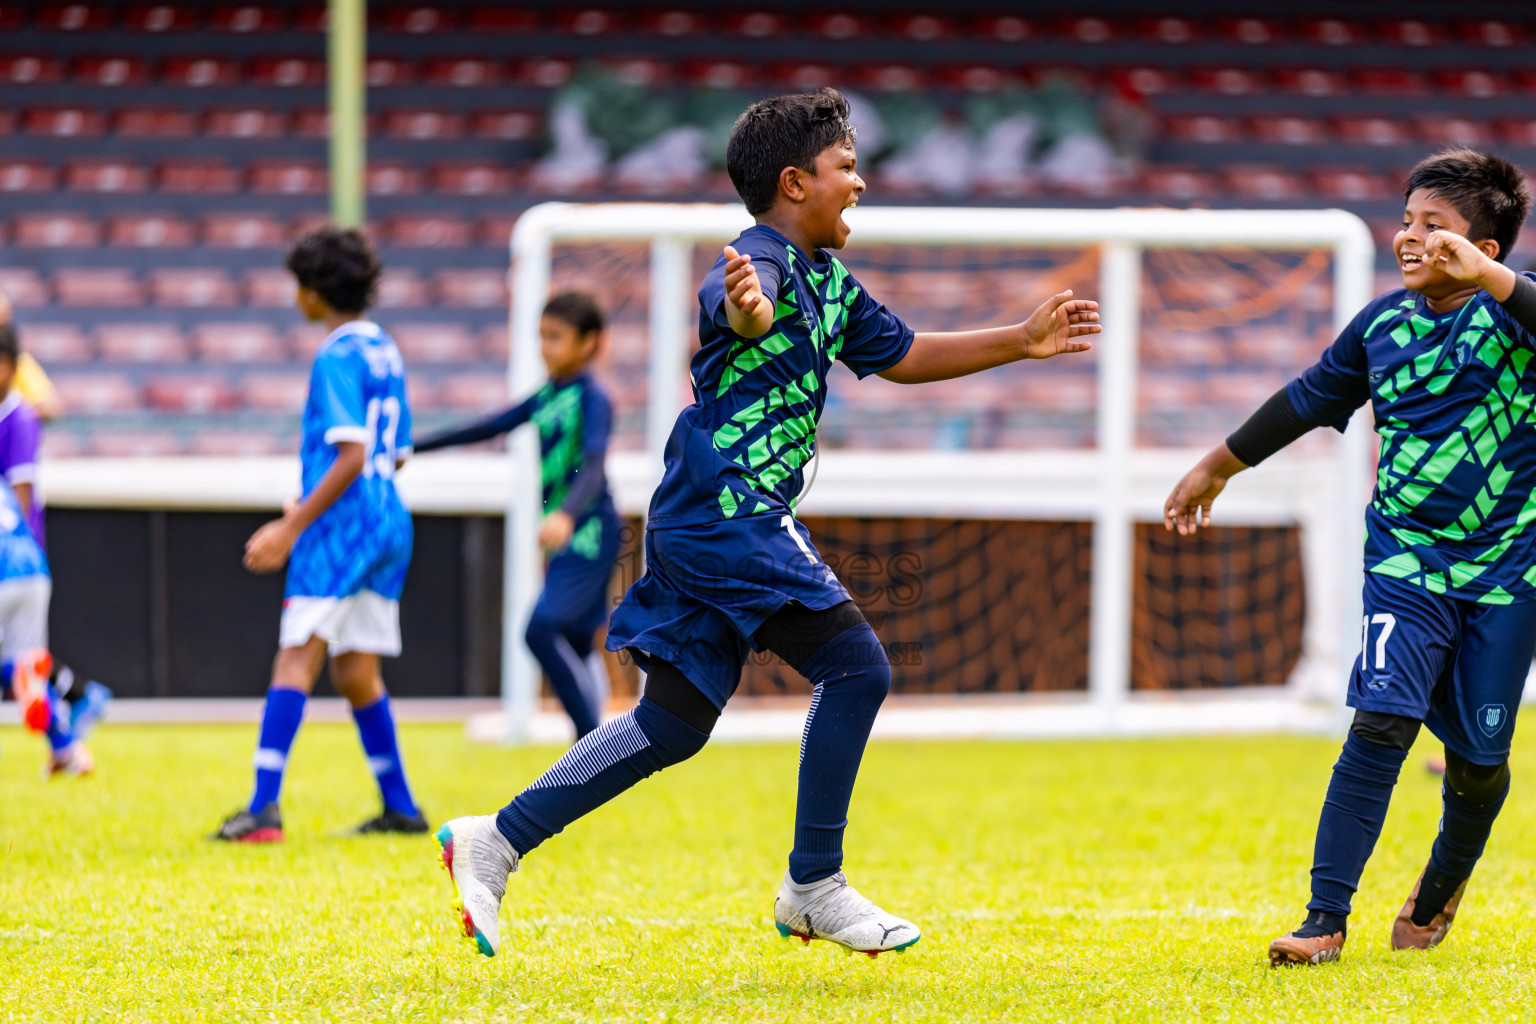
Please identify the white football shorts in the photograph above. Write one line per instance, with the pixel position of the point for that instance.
(365, 622)
(24, 615)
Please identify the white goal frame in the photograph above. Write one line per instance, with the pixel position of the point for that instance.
(1114, 484)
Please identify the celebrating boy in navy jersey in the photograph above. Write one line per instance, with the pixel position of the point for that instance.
(728, 567)
(1450, 552)
(581, 528)
(349, 537)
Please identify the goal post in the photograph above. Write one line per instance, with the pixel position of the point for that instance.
(1114, 484)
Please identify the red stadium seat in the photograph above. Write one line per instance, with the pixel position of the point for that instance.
(97, 393)
(312, 19)
(417, 20)
(925, 28)
(506, 125)
(1144, 81)
(719, 74)
(161, 18)
(394, 178)
(243, 231)
(473, 392)
(1226, 81)
(30, 70)
(1332, 32)
(105, 176)
(111, 71)
(639, 71)
(275, 392)
(480, 179)
(1517, 131)
(149, 231)
(200, 72)
(64, 122)
(673, 24)
(312, 124)
(1309, 81)
(1371, 131)
(27, 176)
(155, 122)
(435, 343)
(247, 18)
(141, 343)
(248, 123)
(1523, 79)
(1203, 128)
(24, 286)
(56, 231)
(430, 232)
(545, 72)
(74, 17)
(462, 72)
(1252, 31)
(473, 289)
(804, 76)
(1390, 81)
(1411, 32)
(138, 444)
(403, 289)
(208, 176)
(1493, 33)
(254, 342)
(496, 346)
(977, 78)
(192, 288)
(890, 77)
(199, 393)
(288, 72)
(1474, 83)
(237, 443)
(1263, 182)
(1439, 130)
(269, 288)
(1352, 185)
(422, 125)
(588, 22)
(54, 344)
(501, 19)
(387, 72)
(1168, 31)
(755, 24)
(289, 177)
(496, 230)
(1087, 30)
(1288, 131)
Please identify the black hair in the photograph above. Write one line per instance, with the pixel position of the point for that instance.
(1487, 190)
(579, 309)
(339, 265)
(780, 132)
(10, 347)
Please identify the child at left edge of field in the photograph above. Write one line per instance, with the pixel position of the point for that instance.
(729, 568)
(581, 528)
(349, 537)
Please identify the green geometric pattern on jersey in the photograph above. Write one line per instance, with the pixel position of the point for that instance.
(558, 417)
(1411, 469)
(776, 434)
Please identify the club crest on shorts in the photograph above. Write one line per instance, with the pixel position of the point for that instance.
(1490, 719)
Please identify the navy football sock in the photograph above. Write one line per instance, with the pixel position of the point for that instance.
(566, 670)
(1353, 812)
(279, 725)
(601, 765)
(1464, 828)
(376, 728)
(851, 677)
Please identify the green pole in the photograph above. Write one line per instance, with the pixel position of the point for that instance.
(347, 38)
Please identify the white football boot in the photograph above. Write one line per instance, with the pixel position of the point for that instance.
(832, 909)
(479, 860)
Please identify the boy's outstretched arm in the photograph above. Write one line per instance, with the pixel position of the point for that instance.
(480, 430)
(1061, 324)
(269, 547)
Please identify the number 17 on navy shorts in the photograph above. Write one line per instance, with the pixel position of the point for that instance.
(1457, 665)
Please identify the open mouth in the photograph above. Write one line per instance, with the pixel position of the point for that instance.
(1410, 260)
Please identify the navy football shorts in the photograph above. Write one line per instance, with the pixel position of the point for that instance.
(1457, 665)
(575, 594)
(707, 589)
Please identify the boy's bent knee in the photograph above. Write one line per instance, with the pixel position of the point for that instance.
(1384, 730)
(671, 691)
(1475, 783)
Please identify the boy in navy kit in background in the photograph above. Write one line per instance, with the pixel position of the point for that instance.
(729, 568)
(1450, 588)
(349, 537)
(581, 527)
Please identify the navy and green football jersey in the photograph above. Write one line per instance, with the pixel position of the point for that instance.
(739, 449)
(1454, 509)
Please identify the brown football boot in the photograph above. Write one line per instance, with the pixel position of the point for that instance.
(1289, 950)
(1407, 935)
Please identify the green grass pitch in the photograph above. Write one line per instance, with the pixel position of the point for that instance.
(1106, 881)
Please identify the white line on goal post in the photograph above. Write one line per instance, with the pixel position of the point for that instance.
(1121, 235)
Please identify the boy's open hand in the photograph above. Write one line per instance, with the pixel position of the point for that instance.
(1057, 325)
(556, 531)
(746, 307)
(269, 547)
(1189, 506)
